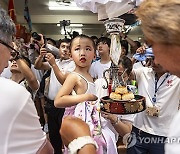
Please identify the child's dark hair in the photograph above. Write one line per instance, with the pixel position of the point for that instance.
(104, 40)
(94, 37)
(83, 36)
(126, 63)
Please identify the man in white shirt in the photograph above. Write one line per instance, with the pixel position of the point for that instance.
(20, 128)
(98, 67)
(58, 67)
(161, 90)
(96, 71)
(163, 34)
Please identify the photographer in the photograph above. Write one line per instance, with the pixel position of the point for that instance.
(34, 50)
(36, 42)
(59, 68)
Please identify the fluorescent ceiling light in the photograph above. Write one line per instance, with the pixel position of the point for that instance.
(53, 5)
(79, 30)
(73, 25)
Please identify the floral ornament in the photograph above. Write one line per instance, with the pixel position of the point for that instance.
(140, 106)
(107, 107)
(131, 107)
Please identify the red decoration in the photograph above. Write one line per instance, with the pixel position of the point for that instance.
(11, 11)
(116, 107)
(21, 32)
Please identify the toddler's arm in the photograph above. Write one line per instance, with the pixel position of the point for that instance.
(64, 97)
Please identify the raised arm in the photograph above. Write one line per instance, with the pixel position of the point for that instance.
(59, 75)
(39, 64)
(130, 41)
(140, 50)
(28, 74)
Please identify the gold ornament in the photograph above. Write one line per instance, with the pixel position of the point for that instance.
(107, 107)
(131, 107)
(140, 106)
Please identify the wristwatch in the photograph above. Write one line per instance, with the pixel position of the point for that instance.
(79, 143)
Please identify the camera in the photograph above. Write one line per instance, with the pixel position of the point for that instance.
(65, 23)
(36, 36)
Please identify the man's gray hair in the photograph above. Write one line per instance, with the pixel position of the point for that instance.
(7, 27)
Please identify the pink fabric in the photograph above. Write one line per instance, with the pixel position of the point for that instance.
(88, 111)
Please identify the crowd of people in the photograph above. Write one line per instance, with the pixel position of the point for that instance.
(50, 90)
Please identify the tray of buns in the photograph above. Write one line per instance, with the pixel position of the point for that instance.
(121, 101)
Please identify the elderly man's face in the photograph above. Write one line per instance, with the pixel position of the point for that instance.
(168, 56)
(4, 57)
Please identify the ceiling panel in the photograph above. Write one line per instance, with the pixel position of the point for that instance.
(44, 20)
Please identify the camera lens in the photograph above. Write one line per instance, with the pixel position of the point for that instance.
(36, 36)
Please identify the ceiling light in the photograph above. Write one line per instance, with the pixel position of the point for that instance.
(53, 5)
(73, 25)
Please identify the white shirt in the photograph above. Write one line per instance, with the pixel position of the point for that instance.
(138, 65)
(172, 145)
(37, 73)
(168, 97)
(33, 93)
(54, 85)
(20, 130)
(100, 91)
(97, 68)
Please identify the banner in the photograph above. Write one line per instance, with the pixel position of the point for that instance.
(27, 15)
(11, 11)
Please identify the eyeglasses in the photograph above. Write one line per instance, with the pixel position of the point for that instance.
(14, 51)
